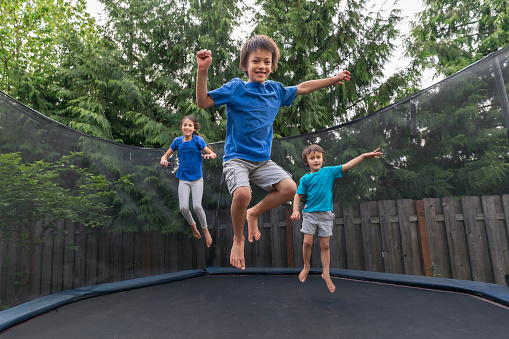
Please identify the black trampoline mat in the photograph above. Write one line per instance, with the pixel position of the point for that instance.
(262, 306)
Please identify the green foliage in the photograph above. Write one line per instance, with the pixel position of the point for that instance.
(450, 35)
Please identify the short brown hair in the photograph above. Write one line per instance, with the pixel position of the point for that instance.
(262, 42)
(310, 149)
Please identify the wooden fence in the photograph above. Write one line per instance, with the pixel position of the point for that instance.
(462, 239)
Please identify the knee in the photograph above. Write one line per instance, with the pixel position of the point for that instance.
(198, 208)
(184, 209)
(324, 246)
(288, 188)
(242, 197)
(307, 244)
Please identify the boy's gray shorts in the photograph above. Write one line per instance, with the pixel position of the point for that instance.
(265, 174)
(324, 221)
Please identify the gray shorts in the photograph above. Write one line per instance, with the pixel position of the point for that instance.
(265, 174)
(324, 221)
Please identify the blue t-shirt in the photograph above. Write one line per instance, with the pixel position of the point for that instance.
(250, 112)
(189, 154)
(317, 187)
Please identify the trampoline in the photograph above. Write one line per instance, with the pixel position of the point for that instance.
(264, 303)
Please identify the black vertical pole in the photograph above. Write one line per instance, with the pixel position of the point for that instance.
(504, 101)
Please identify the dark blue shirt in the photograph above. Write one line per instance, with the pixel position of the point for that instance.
(189, 155)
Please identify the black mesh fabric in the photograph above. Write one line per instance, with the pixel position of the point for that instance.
(450, 140)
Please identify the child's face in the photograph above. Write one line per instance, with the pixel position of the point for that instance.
(187, 128)
(259, 66)
(315, 161)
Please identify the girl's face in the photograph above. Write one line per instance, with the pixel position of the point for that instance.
(187, 127)
(259, 66)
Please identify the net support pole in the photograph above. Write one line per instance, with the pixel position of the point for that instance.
(504, 101)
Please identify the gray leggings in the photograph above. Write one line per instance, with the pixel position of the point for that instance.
(196, 188)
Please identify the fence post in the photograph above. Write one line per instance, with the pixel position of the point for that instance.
(423, 239)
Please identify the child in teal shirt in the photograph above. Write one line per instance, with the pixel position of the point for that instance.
(317, 214)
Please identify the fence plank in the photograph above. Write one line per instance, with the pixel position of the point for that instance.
(3, 270)
(289, 237)
(58, 257)
(158, 252)
(456, 240)
(68, 269)
(437, 238)
(353, 237)
(275, 243)
(172, 258)
(139, 251)
(80, 256)
(412, 261)
(391, 237)
(103, 260)
(476, 240)
(116, 257)
(339, 234)
(497, 238)
(47, 258)
(91, 258)
(127, 256)
(371, 239)
(424, 248)
(298, 238)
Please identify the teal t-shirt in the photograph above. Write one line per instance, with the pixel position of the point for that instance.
(317, 187)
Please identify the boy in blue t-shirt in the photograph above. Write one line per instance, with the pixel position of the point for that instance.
(250, 111)
(317, 214)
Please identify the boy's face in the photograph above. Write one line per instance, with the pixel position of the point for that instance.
(315, 161)
(187, 128)
(259, 66)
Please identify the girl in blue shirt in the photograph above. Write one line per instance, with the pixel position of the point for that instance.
(189, 172)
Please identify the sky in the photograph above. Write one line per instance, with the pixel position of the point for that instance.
(397, 62)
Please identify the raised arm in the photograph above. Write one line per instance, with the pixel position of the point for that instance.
(313, 85)
(203, 99)
(354, 162)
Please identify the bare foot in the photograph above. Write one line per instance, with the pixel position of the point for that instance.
(208, 238)
(304, 274)
(237, 254)
(252, 228)
(329, 282)
(196, 233)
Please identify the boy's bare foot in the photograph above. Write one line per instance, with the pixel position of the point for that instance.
(196, 233)
(252, 228)
(237, 254)
(208, 238)
(304, 274)
(329, 282)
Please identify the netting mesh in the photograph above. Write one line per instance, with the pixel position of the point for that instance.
(77, 210)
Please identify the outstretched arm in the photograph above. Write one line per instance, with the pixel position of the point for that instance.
(354, 162)
(203, 99)
(313, 85)
(296, 203)
(164, 158)
(210, 153)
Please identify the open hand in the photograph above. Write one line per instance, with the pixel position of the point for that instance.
(342, 76)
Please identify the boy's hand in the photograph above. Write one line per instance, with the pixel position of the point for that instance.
(204, 58)
(295, 216)
(164, 162)
(342, 76)
(209, 155)
(374, 154)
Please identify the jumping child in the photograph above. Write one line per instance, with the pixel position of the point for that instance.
(317, 214)
(251, 108)
(189, 172)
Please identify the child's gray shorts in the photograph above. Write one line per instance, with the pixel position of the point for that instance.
(265, 174)
(324, 221)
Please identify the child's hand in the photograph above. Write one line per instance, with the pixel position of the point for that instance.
(295, 216)
(209, 155)
(204, 58)
(164, 162)
(374, 154)
(342, 76)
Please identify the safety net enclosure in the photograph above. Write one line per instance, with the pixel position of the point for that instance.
(78, 211)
